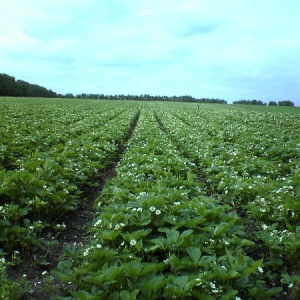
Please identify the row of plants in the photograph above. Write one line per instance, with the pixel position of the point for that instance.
(37, 128)
(205, 203)
(157, 235)
(250, 161)
(46, 184)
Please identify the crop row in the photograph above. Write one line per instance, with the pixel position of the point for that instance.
(156, 235)
(44, 183)
(255, 170)
(204, 204)
(35, 128)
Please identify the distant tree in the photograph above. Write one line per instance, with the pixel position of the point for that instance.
(10, 87)
(147, 97)
(272, 103)
(7, 85)
(249, 102)
(23, 88)
(286, 103)
(69, 95)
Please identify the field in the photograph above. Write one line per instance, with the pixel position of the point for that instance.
(148, 200)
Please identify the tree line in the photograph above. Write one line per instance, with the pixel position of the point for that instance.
(147, 97)
(259, 102)
(9, 86)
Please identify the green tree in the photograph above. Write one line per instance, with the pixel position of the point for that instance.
(272, 103)
(286, 103)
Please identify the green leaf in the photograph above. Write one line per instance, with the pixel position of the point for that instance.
(133, 269)
(125, 295)
(190, 176)
(154, 284)
(175, 263)
(202, 296)
(152, 267)
(172, 235)
(229, 257)
(250, 270)
(223, 227)
(83, 295)
(242, 242)
(194, 253)
(180, 282)
(186, 233)
(111, 272)
(229, 295)
(114, 296)
(205, 260)
(26, 222)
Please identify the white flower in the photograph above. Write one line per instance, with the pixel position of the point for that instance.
(212, 285)
(98, 223)
(152, 208)
(260, 269)
(132, 242)
(98, 246)
(157, 212)
(86, 252)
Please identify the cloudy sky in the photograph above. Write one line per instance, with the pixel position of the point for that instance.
(233, 49)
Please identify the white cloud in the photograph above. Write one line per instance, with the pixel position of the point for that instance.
(17, 40)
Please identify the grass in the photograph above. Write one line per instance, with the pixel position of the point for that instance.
(262, 108)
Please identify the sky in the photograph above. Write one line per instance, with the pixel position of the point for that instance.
(232, 50)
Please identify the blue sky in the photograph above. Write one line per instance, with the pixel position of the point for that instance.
(234, 49)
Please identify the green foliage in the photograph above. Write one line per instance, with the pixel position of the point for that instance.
(43, 175)
(272, 103)
(11, 87)
(204, 203)
(192, 244)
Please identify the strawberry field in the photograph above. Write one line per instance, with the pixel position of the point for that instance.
(203, 203)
